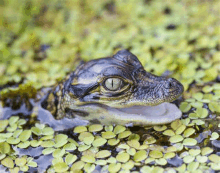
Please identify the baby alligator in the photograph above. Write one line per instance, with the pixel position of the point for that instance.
(115, 90)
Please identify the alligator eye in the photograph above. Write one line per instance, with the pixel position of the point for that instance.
(113, 84)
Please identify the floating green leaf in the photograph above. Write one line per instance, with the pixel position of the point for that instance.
(70, 158)
(4, 148)
(140, 155)
(7, 162)
(103, 154)
(61, 167)
(88, 159)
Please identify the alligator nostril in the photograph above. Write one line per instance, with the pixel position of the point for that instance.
(170, 85)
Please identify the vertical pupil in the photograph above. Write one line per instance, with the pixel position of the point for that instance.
(112, 83)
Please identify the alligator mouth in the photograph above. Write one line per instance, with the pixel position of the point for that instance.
(149, 115)
(134, 116)
(99, 113)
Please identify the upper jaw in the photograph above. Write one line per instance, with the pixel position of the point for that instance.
(157, 92)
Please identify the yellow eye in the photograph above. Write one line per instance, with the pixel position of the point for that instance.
(113, 84)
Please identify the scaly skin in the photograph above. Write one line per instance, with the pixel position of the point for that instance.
(87, 85)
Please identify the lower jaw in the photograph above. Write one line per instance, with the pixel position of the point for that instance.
(136, 115)
(152, 115)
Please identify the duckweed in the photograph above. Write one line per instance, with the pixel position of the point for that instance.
(47, 144)
(156, 154)
(83, 147)
(2, 156)
(3, 125)
(189, 142)
(192, 166)
(48, 151)
(131, 151)
(214, 158)
(111, 160)
(77, 165)
(36, 131)
(161, 161)
(201, 112)
(169, 133)
(20, 161)
(58, 153)
(127, 166)
(176, 138)
(99, 142)
(25, 144)
(88, 159)
(25, 135)
(69, 146)
(103, 153)
(194, 152)
(61, 167)
(101, 162)
(70, 158)
(89, 167)
(80, 129)
(12, 140)
(113, 142)
(185, 107)
(188, 159)
(201, 159)
(160, 128)
(188, 132)
(180, 129)
(187, 50)
(47, 131)
(119, 129)
(134, 143)
(7, 162)
(32, 164)
(114, 167)
(123, 157)
(214, 136)
(169, 155)
(206, 150)
(140, 155)
(124, 134)
(4, 147)
(95, 128)
(108, 135)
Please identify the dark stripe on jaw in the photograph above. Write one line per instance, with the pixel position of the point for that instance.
(72, 113)
(95, 121)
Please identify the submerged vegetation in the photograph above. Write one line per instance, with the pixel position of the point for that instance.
(42, 41)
